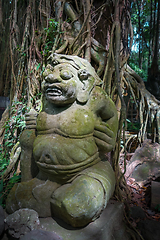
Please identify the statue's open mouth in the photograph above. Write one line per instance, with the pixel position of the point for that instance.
(54, 91)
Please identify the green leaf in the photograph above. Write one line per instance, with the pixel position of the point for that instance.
(1, 186)
(38, 66)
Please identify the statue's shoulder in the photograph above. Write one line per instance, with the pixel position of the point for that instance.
(98, 96)
(99, 92)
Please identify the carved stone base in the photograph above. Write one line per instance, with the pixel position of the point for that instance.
(109, 226)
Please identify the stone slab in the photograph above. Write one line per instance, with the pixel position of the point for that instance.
(108, 226)
(41, 235)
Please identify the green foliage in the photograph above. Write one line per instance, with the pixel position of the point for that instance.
(144, 36)
(4, 160)
(157, 207)
(133, 127)
(51, 33)
(6, 186)
(1, 192)
(143, 73)
(13, 127)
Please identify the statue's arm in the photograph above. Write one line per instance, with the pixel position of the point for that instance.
(28, 166)
(106, 126)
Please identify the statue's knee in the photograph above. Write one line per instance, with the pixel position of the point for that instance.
(79, 203)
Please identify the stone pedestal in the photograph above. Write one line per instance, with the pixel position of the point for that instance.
(109, 226)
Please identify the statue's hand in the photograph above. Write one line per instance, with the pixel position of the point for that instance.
(31, 118)
(104, 137)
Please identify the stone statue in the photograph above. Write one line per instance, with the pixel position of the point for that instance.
(63, 174)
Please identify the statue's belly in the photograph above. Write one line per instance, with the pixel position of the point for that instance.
(52, 151)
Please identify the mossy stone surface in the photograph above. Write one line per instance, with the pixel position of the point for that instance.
(77, 122)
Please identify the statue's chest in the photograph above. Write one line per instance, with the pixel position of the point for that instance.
(74, 122)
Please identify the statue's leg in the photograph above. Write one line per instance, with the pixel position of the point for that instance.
(34, 194)
(83, 200)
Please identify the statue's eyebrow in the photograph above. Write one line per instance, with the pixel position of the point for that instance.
(69, 68)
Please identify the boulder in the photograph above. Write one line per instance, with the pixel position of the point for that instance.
(21, 222)
(145, 163)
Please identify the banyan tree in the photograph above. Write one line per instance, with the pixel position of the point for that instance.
(99, 31)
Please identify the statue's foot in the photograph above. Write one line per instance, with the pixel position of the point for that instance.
(80, 202)
(34, 194)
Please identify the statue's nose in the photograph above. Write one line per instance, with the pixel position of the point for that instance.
(53, 78)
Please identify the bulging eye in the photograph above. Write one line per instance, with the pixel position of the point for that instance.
(55, 62)
(66, 75)
(83, 74)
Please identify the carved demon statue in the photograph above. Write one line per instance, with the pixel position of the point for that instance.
(63, 174)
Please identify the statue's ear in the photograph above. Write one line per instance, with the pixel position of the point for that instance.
(83, 95)
(88, 85)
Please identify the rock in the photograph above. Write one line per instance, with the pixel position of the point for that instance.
(108, 226)
(137, 212)
(149, 229)
(155, 195)
(21, 222)
(41, 235)
(1, 220)
(145, 163)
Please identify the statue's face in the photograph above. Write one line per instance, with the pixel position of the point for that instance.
(61, 84)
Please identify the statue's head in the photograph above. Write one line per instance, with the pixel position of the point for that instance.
(68, 78)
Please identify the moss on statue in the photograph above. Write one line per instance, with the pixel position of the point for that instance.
(77, 122)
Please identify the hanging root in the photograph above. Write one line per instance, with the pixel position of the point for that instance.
(149, 106)
(14, 156)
